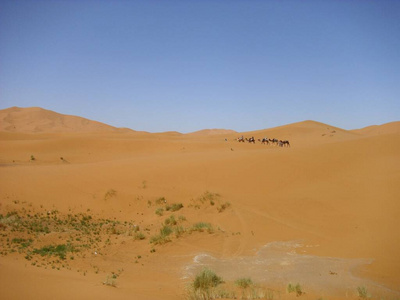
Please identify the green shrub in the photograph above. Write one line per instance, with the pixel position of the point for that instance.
(201, 226)
(59, 250)
(206, 279)
(166, 230)
(163, 237)
(179, 230)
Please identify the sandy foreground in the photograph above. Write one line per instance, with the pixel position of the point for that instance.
(322, 213)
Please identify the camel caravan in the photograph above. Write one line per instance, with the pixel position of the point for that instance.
(264, 141)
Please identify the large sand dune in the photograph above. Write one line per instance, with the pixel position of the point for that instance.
(322, 213)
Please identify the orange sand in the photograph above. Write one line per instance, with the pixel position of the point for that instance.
(334, 191)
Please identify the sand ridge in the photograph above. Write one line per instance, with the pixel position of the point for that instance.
(335, 191)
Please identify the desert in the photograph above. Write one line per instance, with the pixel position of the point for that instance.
(91, 211)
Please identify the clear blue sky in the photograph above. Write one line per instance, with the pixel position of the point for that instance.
(190, 65)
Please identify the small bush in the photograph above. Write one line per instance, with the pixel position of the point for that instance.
(295, 289)
(161, 200)
(160, 211)
(210, 197)
(179, 230)
(206, 279)
(201, 226)
(244, 282)
(166, 230)
(171, 221)
(362, 292)
(110, 281)
(174, 207)
(163, 237)
(139, 236)
(223, 206)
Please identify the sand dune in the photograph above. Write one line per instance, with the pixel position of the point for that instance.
(388, 128)
(322, 213)
(214, 131)
(36, 119)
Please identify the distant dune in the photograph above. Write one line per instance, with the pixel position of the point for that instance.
(39, 120)
(388, 128)
(214, 131)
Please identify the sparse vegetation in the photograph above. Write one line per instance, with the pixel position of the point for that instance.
(206, 280)
(295, 289)
(32, 235)
(161, 201)
(109, 194)
(174, 207)
(59, 250)
(162, 237)
(244, 283)
(209, 199)
(33, 158)
(160, 211)
(201, 226)
(223, 206)
(111, 280)
(144, 184)
(139, 236)
(363, 292)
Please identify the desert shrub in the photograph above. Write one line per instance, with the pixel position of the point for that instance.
(362, 292)
(244, 282)
(160, 211)
(171, 221)
(163, 237)
(223, 206)
(159, 239)
(161, 200)
(201, 226)
(166, 230)
(179, 230)
(206, 279)
(209, 197)
(111, 281)
(139, 236)
(295, 289)
(174, 207)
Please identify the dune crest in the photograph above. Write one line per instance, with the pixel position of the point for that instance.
(39, 120)
(214, 131)
(387, 128)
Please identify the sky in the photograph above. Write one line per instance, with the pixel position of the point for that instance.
(190, 65)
